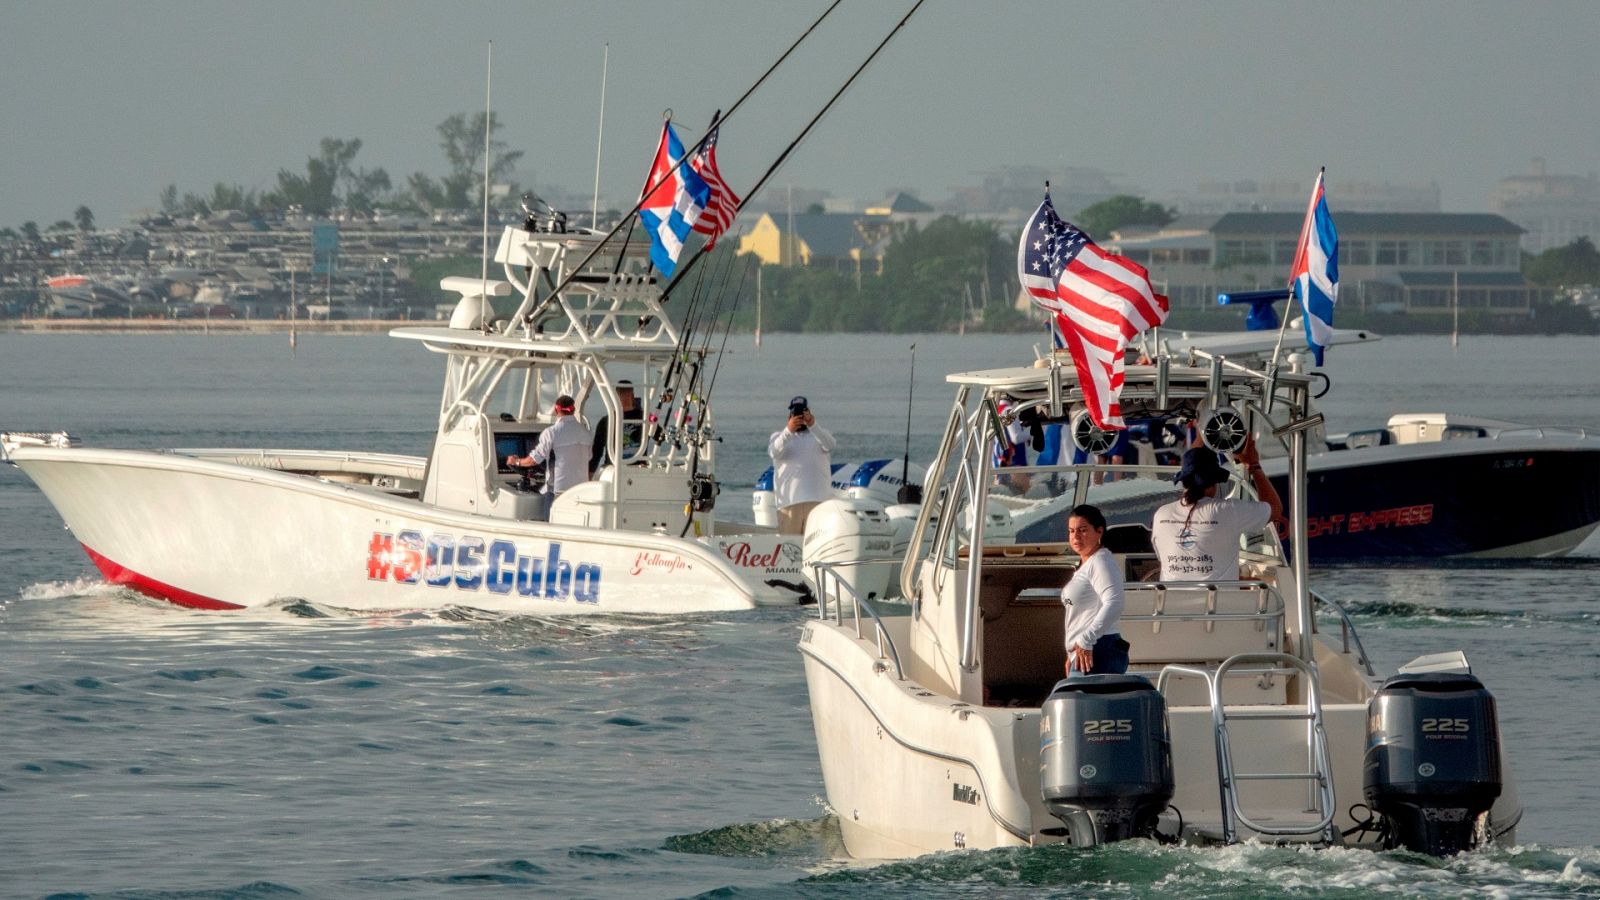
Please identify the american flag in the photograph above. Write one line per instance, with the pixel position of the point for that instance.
(724, 204)
(1100, 302)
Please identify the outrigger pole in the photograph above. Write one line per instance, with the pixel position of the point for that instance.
(650, 188)
(782, 157)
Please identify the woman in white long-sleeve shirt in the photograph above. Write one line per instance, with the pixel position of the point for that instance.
(1093, 598)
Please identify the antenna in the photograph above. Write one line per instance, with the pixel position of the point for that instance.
(594, 209)
(488, 127)
(909, 493)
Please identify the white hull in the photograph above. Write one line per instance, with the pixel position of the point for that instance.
(213, 534)
(911, 771)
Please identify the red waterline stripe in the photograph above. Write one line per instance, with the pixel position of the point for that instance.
(116, 574)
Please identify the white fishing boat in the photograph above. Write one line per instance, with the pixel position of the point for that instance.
(1250, 710)
(222, 528)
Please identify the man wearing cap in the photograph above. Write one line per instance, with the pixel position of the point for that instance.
(802, 463)
(564, 448)
(1196, 537)
(632, 428)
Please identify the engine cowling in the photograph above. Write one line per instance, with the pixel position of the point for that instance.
(1432, 765)
(844, 532)
(1105, 757)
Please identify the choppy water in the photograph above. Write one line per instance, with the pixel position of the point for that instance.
(148, 751)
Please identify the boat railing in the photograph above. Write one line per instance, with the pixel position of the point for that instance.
(1264, 594)
(1544, 431)
(831, 585)
(1347, 631)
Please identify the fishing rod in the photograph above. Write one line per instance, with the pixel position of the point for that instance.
(691, 387)
(694, 400)
(703, 489)
(573, 273)
(784, 156)
(737, 298)
(669, 383)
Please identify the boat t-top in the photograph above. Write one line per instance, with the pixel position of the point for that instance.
(1250, 710)
(572, 314)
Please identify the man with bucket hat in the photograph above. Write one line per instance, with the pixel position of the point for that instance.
(1196, 537)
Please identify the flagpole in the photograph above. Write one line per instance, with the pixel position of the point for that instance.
(1300, 250)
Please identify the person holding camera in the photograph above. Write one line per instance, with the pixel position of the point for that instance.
(802, 460)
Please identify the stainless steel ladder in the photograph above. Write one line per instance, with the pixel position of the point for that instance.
(1319, 771)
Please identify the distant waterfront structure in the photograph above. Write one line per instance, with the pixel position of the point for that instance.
(1251, 195)
(1388, 262)
(847, 242)
(1554, 210)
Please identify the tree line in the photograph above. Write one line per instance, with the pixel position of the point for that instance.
(332, 180)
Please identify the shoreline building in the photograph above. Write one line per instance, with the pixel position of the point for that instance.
(1554, 210)
(1416, 263)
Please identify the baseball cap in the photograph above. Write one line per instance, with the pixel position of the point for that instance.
(798, 405)
(624, 385)
(1200, 468)
(564, 404)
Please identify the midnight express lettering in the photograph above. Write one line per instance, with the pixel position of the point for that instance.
(1371, 520)
(468, 564)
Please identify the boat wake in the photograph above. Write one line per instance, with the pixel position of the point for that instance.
(82, 587)
(1142, 868)
(1400, 613)
(784, 839)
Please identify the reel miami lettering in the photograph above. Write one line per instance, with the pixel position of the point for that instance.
(468, 564)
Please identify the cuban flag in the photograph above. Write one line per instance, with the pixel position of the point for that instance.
(1315, 275)
(673, 199)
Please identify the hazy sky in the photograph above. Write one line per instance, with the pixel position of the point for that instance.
(105, 103)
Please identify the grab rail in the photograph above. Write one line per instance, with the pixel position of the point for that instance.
(1347, 629)
(1263, 614)
(825, 575)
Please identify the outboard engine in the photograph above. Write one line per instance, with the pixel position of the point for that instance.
(1105, 757)
(763, 502)
(877, 479)
(1432, 766)
(844, 531)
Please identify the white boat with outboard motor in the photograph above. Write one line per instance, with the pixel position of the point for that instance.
(1250, 711)
(230, 528)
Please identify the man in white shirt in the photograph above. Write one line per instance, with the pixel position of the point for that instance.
(802, 460)
(563, 448)
(1196, 537)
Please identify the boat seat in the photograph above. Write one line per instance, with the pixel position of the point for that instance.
(1201, 625)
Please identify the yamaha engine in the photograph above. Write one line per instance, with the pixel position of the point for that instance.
(1432, 767)
(1105, 757)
